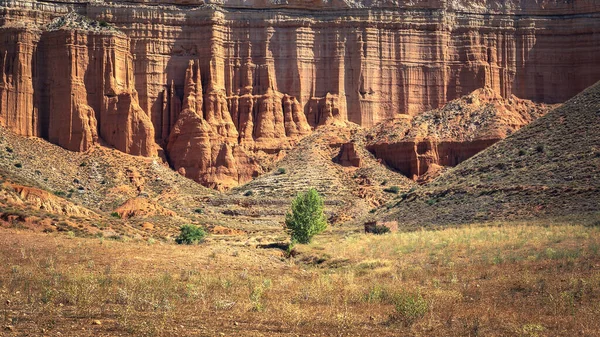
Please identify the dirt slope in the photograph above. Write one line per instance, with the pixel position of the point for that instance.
(549, 168)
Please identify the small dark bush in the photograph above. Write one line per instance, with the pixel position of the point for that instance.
(432, 201)
(373, 210)
(190, 235)
(522, 152)
(60, 193)
(9, 149)
(281, 170)
(103, 24)
(380, 230)
(248, 193)
(84, 164)
(539, 148)
(199, 211)
(392, 189)
(18, 165)
(115, 215)
(384, 182)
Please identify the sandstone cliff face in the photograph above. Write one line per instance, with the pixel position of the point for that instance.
(91, 93)
(448, 136)
(73, 86)
(17, 109)
(263, 79)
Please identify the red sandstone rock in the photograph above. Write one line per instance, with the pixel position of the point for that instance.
(18, 111)
(348, 155)
(452, 134)
(264, 78)
(142, 207)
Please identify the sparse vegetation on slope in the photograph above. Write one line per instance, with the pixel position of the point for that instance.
(549, 168)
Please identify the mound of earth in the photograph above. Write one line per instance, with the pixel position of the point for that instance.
(142, 207)
(549, 168)
(451, 134)
(348, 191)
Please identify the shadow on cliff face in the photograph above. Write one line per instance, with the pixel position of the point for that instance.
(542, 69)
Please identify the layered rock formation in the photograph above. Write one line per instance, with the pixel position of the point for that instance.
(262, 79)
(418, 146)
(91, 93)
(73, 85)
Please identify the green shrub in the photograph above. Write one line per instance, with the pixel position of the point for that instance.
(190, 235)
(306, 218)
(410, 307)
(115, 215)
(60, 193)
(392, 189)
(83, 164)
(281, 170)
(248, 193)
(9, 149)
(432, 201)
(18, 165)
(199, 211)
(384, 182)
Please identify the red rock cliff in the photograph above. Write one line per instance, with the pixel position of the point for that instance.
(263, 79)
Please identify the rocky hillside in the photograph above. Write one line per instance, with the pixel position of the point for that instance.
(419, 147)
(220, 89)
(549, 168)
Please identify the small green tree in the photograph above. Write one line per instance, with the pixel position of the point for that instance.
(306, 218)
(190, 235)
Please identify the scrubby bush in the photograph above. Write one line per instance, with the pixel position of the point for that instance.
(306, 218)
(199, 211)
(190, 235)
(409, 307)
(115, 215)
(380, 230)
(392, 189)
(281, 170)
(431, 201)
(248, 193)
(540, 148)
(18, 165)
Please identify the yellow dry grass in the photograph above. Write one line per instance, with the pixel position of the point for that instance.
(502, 280)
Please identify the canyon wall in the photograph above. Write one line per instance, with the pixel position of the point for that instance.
(261, 79)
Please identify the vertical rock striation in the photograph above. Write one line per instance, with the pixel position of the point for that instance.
(221, 85)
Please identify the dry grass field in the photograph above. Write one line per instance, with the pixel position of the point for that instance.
(502, 279)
